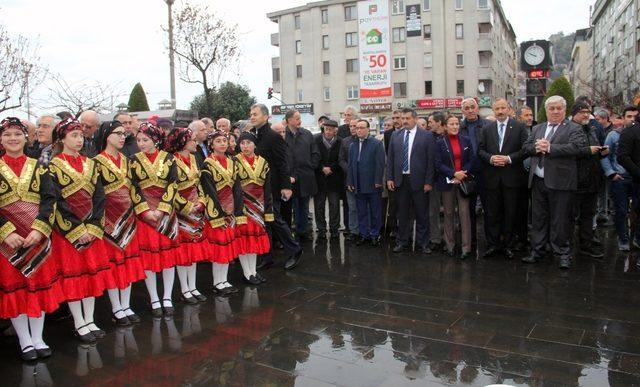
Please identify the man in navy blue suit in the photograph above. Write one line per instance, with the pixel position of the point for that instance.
(410, 172)
(364, 177)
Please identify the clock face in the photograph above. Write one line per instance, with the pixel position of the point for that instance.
(534, 55)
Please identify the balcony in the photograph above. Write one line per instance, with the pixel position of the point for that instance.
(275, 39)
(484, 43)
(485, 73)
(275, 62)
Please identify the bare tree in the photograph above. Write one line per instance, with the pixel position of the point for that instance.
(205, 46)
(603, 94)
(20, 69)
(80, 96)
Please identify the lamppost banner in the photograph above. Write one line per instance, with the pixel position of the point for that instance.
(374, 49)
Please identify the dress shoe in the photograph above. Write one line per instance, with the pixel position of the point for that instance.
(399, 249)
(362, 241)
(44, 353)
(87, 338)
(252, 280)
(565, 263)
(97, 332)
(592, 252)
(529, 259)
(134, 318)
(424, 250)
(156, 312)
(122, 321)
(199, 296)
(375, 242)
(293, 260)
(465, 255)
(509, 253)
(168, 310)
(265, 264)
(221, 291)
(28, 353)
(230, 288)
(261, 278)
(491, 252)
(188, 298)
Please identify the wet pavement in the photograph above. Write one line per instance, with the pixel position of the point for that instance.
(363, 316)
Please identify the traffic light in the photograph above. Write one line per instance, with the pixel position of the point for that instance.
(270, 93)
(536, 86)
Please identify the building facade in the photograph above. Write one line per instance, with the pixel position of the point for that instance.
(581, 65)
(616, 50)
(465, 48)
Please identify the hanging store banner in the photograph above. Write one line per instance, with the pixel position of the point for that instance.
(414, 23)
(374, 49)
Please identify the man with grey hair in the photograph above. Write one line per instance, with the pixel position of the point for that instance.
(553, 146)
(223, 124)
(208, 123)
(350, 113)
(200, 129)
(41, 149)
(90, 122)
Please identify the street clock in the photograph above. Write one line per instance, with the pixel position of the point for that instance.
(534, 55)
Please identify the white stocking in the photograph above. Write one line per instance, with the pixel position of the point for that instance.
(191, 279)
(182, 277)
(78, 319)
(246, 267)
(218, 276)
(116, 307)
(152, 287)
(37, 326)
(224, 271)
(252, 263)
(168, 276)
(21, 326)
(125, 298)
(88, 305)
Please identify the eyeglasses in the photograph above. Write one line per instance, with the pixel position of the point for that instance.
(119, 134)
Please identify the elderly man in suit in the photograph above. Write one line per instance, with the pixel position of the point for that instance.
(500, 149)
(364, 178)
(410, 172)
(329, 179)
(554, 147)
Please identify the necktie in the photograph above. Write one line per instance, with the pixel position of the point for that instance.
(501, 135)
(405, 152)
(549, 135)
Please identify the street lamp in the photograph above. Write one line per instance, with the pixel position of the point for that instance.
(171, 62)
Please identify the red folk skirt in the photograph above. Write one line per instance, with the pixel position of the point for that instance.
(252, 238)
(126, 265)
(193, 244)
(158, 251)
(222, 243)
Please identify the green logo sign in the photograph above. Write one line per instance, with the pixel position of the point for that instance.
(374, 36)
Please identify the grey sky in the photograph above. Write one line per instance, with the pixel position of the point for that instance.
(121, 42)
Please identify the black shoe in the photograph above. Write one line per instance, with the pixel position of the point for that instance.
(220, 291)
(44, 353)
(393, 234)
(97, 333)
(231, 289)
(261, 278)
(362, 241)
(121, 322)
(322, 236)
(465, 255)
(492, 252)
(199, 297)
(28, 353)
(591, 252)
(87, 338)
(293, 260)
(424, 250)
(565, 263)
(509, 253)
(156, 312)
(375, 242)
(265, 264)
(188, 298)
(398, 249)
(252, 280)
(529, 259)
(134, 318)
(168, 310)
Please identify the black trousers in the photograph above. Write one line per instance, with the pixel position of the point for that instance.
(334, 211)
(280, 230)
(391, 211)
(345, 209)
(522, 216)
(552, 221)
(501, 209)
(585, 207)
(412, 204)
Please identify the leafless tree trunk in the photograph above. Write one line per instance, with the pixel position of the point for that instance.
(80, 96)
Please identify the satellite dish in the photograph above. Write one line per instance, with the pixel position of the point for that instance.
(481, 87)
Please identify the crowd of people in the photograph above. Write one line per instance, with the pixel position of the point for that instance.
(89, 206)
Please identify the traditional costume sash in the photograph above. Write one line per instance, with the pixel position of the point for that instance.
(168, 225)
(253, 203)
(120, 223)
(191, 224)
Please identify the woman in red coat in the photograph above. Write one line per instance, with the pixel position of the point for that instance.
(154, 171)
(190, 206)
(29, 285)
(76, 242)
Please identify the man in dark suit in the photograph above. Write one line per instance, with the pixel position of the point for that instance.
(500, 149)
(554, 147)
(273, 148)
(350, 113)
(349, 207)
(329, 179)
(200, 129)
(364, 178)
(90, 122)
(391, 207)
(410, 172)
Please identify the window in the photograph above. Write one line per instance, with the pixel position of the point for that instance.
(459, 60)
(298, 46)
(426, 5)
(324, 14)
(426, 30)
(483, 4)
(352, 65)
(325, 42)
(459, 31)
(460, 87)
(326, 93)
(276, 74)
(428, 60)
(298, 71)
(397, 7)
(325, 67)
(296, 21)
(300, 95)
(351, 39)
(428, 88)
(353, 92)
(400, 89)
(350, 12)
(399, 62)
(459, 4)
(399, 34)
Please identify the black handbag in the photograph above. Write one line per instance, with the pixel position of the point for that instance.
(468, 186)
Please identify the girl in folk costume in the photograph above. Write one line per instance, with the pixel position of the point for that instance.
(29, 285)
(76, 242)
(154, 171)
(190, 205)
(120, 221)
(224, 209)
(254, 177)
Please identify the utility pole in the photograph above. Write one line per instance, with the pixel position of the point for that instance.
(172, 71)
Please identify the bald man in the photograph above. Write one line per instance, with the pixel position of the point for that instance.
(90, 122)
